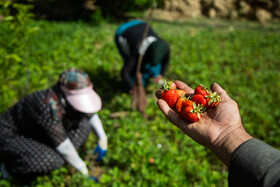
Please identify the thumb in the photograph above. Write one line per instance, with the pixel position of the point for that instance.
(217, 88)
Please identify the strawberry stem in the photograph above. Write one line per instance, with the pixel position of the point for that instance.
(198, 109)
(166, 85)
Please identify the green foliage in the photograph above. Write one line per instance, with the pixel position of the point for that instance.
(96, 18)
(13, 46)
(60, 177)
(242, 57)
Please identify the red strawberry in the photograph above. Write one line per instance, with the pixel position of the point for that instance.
(187, 103)
(199, 99)
(202, 90)
(189, 115)
(192, 113)
(212, 100)
(169, 93)
(180, 102)
(151, 160)
(181, 93)
(170, 96)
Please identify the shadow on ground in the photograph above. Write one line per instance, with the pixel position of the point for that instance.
(106, 83)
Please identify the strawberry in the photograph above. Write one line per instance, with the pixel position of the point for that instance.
(181, 93)
(192, 113)
(187, 103)
(181, 99)
(169, 93)
(212, 99)
(180, 102)
(199, 99)
(169, 85)
(202, 90)
(188, 114)
(170, 96)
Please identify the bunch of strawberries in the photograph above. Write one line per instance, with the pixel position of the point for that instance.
(189, 107)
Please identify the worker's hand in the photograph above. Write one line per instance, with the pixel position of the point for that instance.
(220, 128)
(94, 179)
(158, 79)
(131, 91)
(99, 152)
(101, 148)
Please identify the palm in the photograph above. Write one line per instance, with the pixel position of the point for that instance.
(213, 122)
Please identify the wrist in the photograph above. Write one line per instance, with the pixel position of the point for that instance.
(84, 170)
(228, 141)
(103, 142)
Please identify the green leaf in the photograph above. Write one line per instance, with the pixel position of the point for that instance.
(9, 18)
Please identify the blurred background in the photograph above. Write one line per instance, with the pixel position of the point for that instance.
(232, 42)
(261, 10)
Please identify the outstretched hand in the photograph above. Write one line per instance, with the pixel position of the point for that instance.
(216, 127)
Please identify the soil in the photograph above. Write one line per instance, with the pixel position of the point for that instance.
(164, 15)
(95, 168)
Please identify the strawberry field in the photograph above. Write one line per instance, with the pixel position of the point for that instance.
(243, 57)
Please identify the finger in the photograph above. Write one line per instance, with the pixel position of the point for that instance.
(172, 116)
(158, 93)
(182, 86)
(217, 88)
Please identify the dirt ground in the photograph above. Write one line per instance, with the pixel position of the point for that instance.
(164, 15)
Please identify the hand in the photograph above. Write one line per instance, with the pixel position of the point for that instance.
(84, 170)
(158, 79)
(131, 91)
(101, 148)
(220, 129)
(99, 152)
(94, 179)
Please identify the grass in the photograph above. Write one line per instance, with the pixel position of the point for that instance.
(243, 57)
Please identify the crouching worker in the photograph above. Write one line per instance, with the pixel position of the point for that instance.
(43, 131)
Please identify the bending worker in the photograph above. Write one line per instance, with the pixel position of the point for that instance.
(131, 44)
